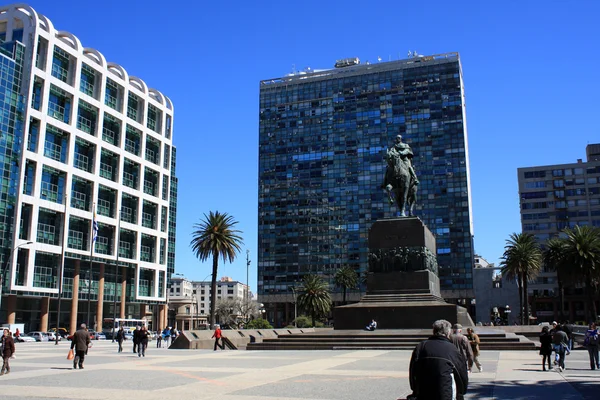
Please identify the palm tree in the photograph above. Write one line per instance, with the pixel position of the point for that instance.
(314, 298)
(582, 254)
(522, 260)
(215, 237)
(554, 259)
(346, 278)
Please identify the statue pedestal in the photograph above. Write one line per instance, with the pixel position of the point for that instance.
(403, 289)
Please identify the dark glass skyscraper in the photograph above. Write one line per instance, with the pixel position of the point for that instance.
(323, 136)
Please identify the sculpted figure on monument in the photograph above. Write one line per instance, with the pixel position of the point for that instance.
(400, 180)
(402, 259)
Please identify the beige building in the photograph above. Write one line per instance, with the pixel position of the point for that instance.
(189, 301)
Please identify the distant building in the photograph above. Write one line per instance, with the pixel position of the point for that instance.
(322, 140)
(552, 198)
(495, 296)
(189, 301)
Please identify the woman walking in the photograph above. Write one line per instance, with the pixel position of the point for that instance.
(591, 342)
(474, 342)
(8, 350)
(120, 338)
(546, 347)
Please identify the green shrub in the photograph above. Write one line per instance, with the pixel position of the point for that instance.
(259, 323)
(303, 321)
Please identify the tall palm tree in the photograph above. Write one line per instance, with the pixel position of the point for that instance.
(216, 237)
(346, 278)
(315, 298)
(553, 256)
(522, 260)
(582, 253)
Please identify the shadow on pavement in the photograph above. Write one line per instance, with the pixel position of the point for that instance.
(541, 390)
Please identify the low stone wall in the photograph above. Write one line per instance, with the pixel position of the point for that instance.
(235, 339)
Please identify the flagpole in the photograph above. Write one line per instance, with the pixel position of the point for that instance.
(94, 231)
(118, 235)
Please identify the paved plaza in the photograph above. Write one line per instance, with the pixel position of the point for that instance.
(41, 371)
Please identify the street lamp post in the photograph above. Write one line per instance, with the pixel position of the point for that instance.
(507, 311)
(247, 285)
(114, 328)
(7, 265)
(295, 305)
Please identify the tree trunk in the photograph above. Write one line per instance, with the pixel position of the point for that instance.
(312, 314)
(526, 299)
(520, 298)
(561, 297)
(591, 302)
(213, 289)
(344, 302)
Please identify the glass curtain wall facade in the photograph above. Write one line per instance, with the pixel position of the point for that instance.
(99, 149)
(11, 141)
(322, 138)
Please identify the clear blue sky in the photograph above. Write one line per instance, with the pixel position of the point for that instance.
(530, 70)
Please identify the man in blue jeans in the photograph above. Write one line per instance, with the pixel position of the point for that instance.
(559, 343)
(591, 342)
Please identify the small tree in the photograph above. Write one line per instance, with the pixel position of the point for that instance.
(229, 311)
(259, 323)
(582, 254)
(522, 260)
(346, 278)
(315, 298)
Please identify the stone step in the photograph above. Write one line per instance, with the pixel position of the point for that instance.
(377, 335)
(377, 339)
(374, 346)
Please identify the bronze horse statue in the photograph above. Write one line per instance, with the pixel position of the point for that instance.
(400, 180)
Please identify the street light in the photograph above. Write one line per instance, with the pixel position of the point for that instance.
(6, 266)
(247, 285)
(295, 304)
(507, 311)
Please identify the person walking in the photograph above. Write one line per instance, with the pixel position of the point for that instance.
(218, 336)
(142, 342)
(566, 329)
(80, 343)
(474, 342)
(438, 371)
(158, 339)
(591, 342)
(546, 347)
(166, 334)
(120, 338)
(462, 344)
(136, 339)
(8, 350)
(560, 340)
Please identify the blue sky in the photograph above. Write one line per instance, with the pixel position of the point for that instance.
(531, 78)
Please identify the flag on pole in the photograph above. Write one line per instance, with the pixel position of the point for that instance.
(94, 226)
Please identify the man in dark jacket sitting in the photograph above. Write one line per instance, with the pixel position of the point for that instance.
(437, 369)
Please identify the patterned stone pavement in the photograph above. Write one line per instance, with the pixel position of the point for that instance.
(41, 371)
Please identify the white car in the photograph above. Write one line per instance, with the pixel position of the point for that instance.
(39, 336)
(24, 338)
(52, 337)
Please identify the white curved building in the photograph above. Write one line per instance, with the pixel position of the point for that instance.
(88, 145)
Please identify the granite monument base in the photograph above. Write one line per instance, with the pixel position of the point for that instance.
(403, 289)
